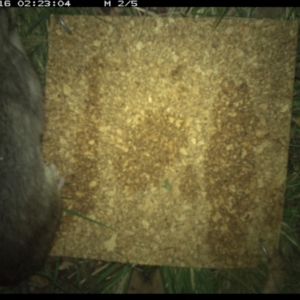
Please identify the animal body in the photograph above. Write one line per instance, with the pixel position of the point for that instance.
(30, 203)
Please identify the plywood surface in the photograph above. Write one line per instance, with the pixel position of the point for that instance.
(173, 133)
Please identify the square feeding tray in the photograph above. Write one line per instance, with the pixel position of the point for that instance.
(173, 134)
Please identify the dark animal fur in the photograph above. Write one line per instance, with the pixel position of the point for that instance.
(30, 204)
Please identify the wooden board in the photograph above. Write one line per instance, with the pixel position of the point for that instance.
(173, 133)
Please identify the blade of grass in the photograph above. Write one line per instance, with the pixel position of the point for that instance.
(221, 17)
(74, 213)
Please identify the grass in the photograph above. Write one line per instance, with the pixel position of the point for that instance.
(75, 275)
